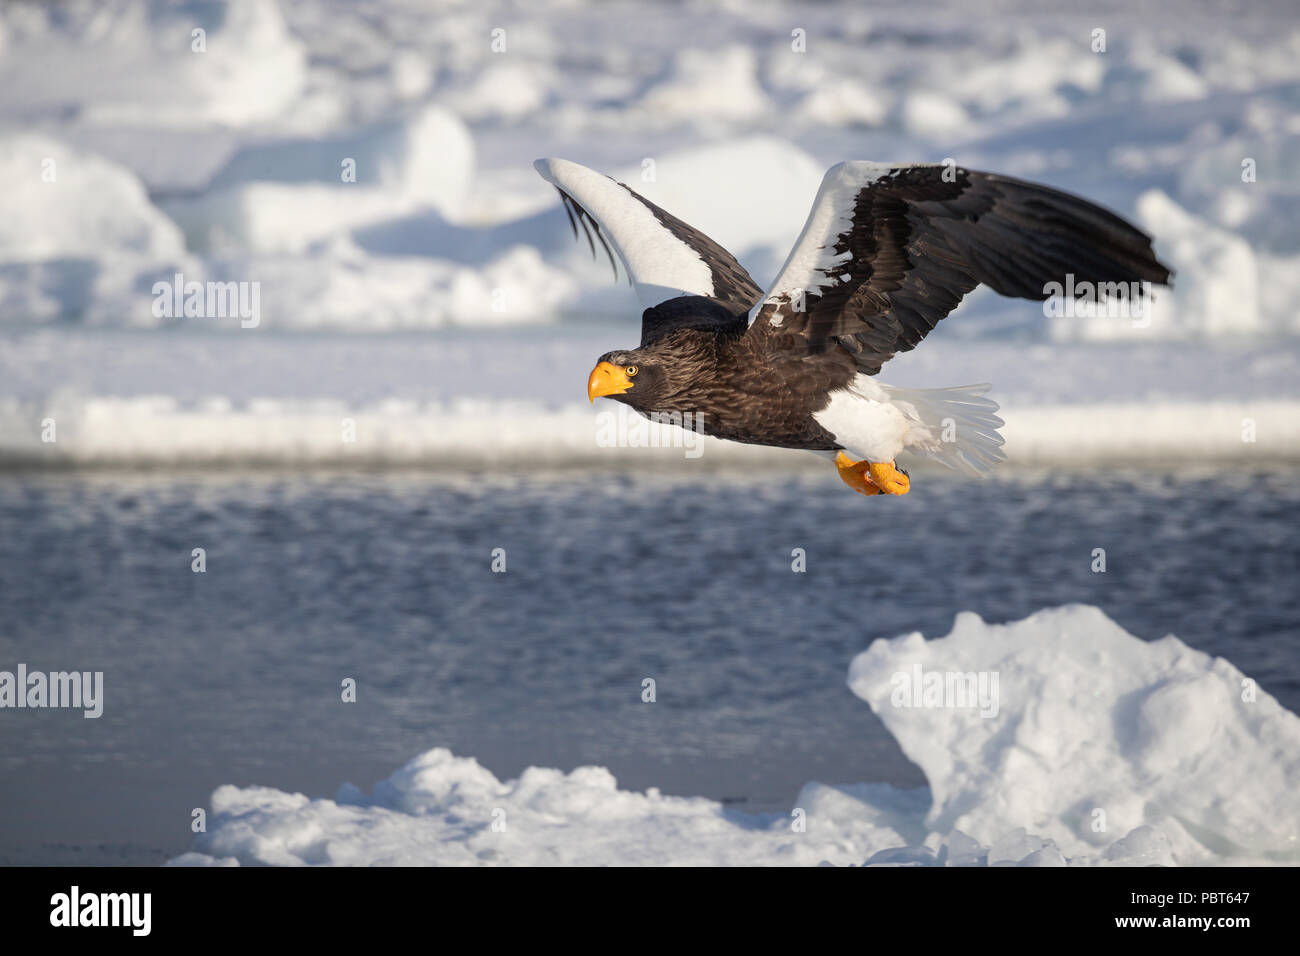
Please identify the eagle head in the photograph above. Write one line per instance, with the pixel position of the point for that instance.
(629, 377)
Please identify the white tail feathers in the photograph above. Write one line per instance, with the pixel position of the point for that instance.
(955, 426)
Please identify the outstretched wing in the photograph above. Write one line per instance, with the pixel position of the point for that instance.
(890, 249)
(664, 257)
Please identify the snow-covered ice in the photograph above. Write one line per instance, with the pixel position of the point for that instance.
(237, 138)
(138, 64)
(1093, 726)
(1104, 750)
(131, 156)
(137, 397)
(134, 151)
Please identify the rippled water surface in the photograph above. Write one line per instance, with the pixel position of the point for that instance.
(233, 675)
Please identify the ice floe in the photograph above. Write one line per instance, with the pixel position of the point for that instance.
(1104, 750)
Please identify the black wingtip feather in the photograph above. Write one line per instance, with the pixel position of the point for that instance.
(572, 209)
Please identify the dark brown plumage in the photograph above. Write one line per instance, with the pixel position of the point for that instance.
(733, 385)
(919, 243)
(888, 251)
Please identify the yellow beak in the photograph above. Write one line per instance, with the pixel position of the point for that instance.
(607, 379)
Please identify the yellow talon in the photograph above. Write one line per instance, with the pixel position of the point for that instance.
(853, 474)
(888, 478)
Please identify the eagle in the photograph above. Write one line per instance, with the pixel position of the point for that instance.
(887, 251)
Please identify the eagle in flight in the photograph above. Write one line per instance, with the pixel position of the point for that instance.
(888, 250)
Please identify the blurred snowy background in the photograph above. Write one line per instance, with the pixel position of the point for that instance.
(129, 155)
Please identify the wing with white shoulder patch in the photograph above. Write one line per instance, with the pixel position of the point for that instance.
(889, 249)
(822, 253)
(663, 256)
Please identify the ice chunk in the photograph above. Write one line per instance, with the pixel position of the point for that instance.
(1095, 733)
(154, 64)
(427, 157)
(62, 203)
(708, 84)
(282, 197)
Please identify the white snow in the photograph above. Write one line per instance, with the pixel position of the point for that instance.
(1105, 750)
(267, 217)
(240, 142)
(426, 157)
(285, 196)
(220, 393)
(1217, 289)
(61, 202)
(928, 113)
(139, 64)
(79, 236)
(505, 90)
(1090, 719)
(838, 101)
(705, 85)
(226, 165)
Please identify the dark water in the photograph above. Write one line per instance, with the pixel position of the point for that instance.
(233, 675)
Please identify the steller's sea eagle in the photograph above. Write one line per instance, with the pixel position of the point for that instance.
(888, 250)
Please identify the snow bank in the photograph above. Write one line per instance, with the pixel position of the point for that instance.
(162, 430)
(706, 85)
(61, 202)
(342, 287)
(927, 113)
(79, 236)
(140, 64)
(1157, 736)
(277, 219)
(209, 391)
(844, 102)
(442, 810)
(504, 91)
(239, 134)
(1033, 75)
(1170, 432)
(282, 197)
(159, 430)
(427, 157)
(1095, 734)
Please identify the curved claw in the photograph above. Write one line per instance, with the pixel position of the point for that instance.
(853, 474)
(890, 480)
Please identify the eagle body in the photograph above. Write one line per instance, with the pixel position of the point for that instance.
(887, 251)
(733, 388)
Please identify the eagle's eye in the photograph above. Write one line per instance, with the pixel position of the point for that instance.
(631, 370)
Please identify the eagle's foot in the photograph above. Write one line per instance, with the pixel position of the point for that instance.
(889, 479)
(853, 474)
